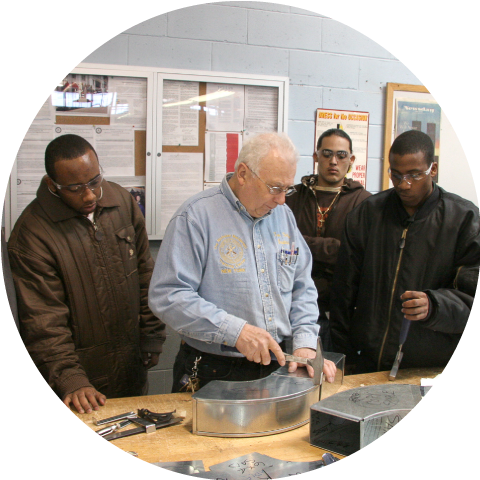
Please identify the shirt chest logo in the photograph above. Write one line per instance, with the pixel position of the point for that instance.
(231, 251)
(282, 238)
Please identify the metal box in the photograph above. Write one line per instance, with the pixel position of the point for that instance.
(273, 404)
(348, 421)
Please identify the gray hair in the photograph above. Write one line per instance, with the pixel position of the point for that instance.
(257, 148)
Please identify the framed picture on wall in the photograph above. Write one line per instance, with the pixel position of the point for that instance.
(409, 107)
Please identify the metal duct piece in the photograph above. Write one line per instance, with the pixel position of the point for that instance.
(270, 405)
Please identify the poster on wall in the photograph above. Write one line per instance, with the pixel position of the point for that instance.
(355, 124)
(419, 115)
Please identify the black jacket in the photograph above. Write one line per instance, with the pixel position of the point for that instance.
(375, 266)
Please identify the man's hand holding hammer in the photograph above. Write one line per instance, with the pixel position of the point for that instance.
(256, 344)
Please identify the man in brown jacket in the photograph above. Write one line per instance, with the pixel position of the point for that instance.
(320, 206)
(81, 265)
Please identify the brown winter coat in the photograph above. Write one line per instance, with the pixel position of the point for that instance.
(324, 249)
(82, 302)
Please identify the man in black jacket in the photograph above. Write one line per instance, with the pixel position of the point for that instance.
(402, 255)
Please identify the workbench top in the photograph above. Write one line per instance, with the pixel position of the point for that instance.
(178, 443)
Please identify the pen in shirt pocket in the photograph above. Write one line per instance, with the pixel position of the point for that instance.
(289, 257)
(292, 258)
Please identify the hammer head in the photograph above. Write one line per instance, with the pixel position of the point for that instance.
(317, 364)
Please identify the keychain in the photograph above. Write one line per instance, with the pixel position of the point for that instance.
(191, 383)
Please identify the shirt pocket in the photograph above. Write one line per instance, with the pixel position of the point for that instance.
(128, 251)
(285, 276)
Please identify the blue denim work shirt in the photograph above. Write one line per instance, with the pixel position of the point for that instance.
(219, 268)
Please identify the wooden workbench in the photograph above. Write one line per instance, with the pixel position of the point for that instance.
(178, 443)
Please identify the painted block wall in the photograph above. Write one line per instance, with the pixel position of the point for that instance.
(329, 64)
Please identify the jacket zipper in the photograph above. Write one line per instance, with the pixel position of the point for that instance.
(401, 246)
(455, 281)
(98, 234)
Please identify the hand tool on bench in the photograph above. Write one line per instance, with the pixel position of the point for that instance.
(113, 428)
(403, 336)
(316, 363)
(116, 418)
(148, 422)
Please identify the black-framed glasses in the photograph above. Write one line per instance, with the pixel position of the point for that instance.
(80, 188)
(397, 179)
(276, 190)
(340, 154)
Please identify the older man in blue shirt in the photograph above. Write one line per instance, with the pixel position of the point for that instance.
(233, 270)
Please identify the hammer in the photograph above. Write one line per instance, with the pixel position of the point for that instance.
(316, 363)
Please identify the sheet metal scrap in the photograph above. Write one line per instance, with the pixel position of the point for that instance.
(254, 465)
(262, 467)
(186, 468)
(328, 458)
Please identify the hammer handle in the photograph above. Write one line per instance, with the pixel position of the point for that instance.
(288, 358)
(293, 358)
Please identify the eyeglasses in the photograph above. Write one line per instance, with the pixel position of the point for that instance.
(340, 154)
(276, 190)
(397, 179)
(80, 188)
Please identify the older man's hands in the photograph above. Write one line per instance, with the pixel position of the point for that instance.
(256, 344)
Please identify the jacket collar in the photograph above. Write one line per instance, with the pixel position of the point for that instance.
(348, 183)
(59, 211)
(424, 210)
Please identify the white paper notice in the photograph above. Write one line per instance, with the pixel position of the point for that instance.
(180, 113)
(221, 153)
(31, 164)
(46, 113)
(182, 177)
(115, 149)
(261, 109)
(85, 131)
(225, 107)
(130, 101)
